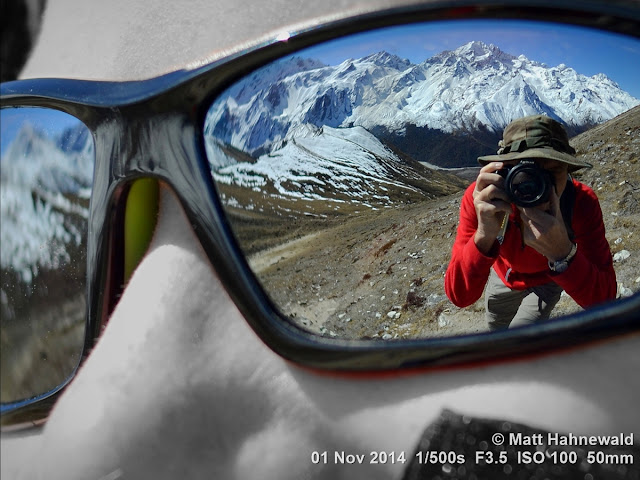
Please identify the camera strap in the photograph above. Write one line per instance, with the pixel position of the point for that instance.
(567, 202)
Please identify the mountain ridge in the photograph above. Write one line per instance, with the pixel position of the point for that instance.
(476, 88)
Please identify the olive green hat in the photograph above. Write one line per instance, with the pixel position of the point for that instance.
(536, 136)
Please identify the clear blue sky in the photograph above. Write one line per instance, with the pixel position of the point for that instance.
(587, 51)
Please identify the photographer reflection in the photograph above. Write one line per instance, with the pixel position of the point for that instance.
(528, 231)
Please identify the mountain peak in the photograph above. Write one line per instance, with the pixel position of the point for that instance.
(477, 47)
(386, 59)
(476, 87)
(481, 54)
(475, 55)
(28, 139)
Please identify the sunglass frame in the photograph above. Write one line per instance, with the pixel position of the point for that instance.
(154, 128)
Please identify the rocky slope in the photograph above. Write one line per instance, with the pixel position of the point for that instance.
(380, 274)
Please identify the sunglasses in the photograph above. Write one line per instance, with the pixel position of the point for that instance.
(300, 165)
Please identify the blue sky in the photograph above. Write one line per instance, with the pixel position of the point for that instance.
(587, 51)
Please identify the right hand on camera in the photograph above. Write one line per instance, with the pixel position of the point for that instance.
(492, 204)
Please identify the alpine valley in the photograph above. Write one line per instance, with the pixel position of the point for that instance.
(299, 144)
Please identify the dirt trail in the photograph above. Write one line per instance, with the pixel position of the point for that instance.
(293, 248)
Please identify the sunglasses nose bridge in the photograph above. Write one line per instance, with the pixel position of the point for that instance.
(167, 148)
(155, 149)
(172, 151)
(158, 145)
(134, 147)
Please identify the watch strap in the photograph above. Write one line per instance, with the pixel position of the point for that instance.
(560, 266)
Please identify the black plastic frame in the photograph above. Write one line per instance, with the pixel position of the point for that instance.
(153, 128)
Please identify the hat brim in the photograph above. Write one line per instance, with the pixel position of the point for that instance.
(547, 153)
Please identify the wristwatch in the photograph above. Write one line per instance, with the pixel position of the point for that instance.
(560, 266)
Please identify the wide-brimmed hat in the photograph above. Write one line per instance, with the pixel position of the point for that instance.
(536, 136)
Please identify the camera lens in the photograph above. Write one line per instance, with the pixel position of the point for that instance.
(528, 185)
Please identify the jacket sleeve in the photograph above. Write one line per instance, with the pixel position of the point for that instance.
(468, 268)
(590, 278)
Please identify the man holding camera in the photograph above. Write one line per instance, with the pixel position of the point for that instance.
(528, 230)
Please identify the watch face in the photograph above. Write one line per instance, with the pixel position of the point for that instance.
(561, 267)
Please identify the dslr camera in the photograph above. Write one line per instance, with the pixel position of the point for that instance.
(526, 184)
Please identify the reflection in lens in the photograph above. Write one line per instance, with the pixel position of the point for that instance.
(528, 185)
(46, 175)
(341, 168)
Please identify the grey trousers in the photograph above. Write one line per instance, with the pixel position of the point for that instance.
(511, 308)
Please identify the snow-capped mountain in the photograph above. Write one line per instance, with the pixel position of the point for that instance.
(46, 185)
(338, 165)
(491, 88)
(474, 90)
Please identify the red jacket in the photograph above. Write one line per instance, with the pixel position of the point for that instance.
(590, 278)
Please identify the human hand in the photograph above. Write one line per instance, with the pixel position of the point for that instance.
(544, 230)
(491, 204)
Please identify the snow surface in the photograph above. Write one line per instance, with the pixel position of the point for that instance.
(38, 175)
(321, 164)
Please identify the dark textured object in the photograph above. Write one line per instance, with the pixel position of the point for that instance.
(459, 437)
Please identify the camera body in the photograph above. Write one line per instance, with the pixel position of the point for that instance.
(526, 184)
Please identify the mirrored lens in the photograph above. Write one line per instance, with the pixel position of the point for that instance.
(342, 167)
(46, 175)
(529, 185)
